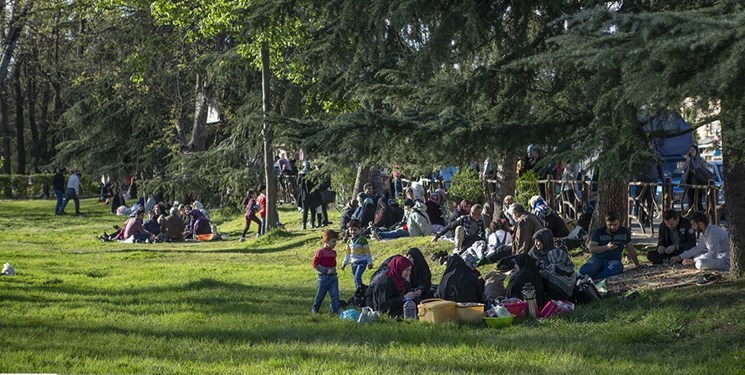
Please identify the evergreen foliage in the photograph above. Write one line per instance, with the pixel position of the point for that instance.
(526, 187)
(466, 185)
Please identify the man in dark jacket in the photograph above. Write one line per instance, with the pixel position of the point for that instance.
(675, 236)
(58, 183)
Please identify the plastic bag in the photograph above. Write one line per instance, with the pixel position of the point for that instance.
(368, 316)
(349, 314)
(8, 270)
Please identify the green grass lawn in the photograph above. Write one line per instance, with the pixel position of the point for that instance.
(78, 305)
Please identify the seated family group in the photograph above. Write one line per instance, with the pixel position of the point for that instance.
(517, 240)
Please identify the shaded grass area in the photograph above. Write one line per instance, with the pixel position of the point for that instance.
(78, 305)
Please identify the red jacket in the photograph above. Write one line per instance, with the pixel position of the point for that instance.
(262, 205)
(325, 257)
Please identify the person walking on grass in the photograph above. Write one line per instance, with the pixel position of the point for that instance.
(72, 192)
(58, 183)
(250, 203)
(358, 253)
(324, 262)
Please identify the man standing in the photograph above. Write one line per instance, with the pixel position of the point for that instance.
(712, 250)
(72, 192)
(675, 236)
(58, 183)
(606, 246)
(526, 224)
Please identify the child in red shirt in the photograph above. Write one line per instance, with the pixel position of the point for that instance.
(324, 262)
(262, 208)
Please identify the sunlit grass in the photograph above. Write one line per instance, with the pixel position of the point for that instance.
(78, 305)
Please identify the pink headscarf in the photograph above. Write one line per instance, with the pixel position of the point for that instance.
(396, 267)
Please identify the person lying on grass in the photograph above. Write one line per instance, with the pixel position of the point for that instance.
(324, 262)
(712, 250)
(607, 246)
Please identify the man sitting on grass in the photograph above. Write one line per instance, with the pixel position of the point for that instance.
(712, 250)
(675, 236)
(606, 247)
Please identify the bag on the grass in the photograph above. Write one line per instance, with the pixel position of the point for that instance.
(349, 314)
(585, 291)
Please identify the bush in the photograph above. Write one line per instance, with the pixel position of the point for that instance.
(31, 186)
(525, 188)
(466, 185)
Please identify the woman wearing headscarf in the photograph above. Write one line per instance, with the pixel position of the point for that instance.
(421, 276)
(555, 267)
(390, 292)
(460, 283)
(558, 276)
(549, 217)
(526, 272)
(383, 215)
(434, 211)
(464, 208)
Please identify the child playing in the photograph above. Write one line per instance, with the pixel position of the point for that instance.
(262, 208)
(251, 206)
(324, 261)
(358, 251)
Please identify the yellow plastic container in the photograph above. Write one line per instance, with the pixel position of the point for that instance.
(436, 310)
(469, 312)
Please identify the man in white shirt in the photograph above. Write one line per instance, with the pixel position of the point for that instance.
(712, 250)
(72, 192)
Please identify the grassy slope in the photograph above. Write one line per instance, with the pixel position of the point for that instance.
(80, 306)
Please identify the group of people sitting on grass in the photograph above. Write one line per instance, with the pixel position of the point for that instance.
(518, 240)
(176, 223)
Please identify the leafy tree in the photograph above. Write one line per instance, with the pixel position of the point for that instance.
(466, 185)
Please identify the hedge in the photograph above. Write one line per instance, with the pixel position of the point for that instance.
(32, 186)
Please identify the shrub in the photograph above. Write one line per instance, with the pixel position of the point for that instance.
(32, 186)
(466, 185)
(526, 187)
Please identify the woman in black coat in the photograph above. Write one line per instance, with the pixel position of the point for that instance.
(421, 276)
(526, 272)
(460, 283)
(389, 293)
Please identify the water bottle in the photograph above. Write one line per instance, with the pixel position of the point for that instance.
(409, 309)
(529, 294)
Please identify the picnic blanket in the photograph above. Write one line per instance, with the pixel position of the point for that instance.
(655, 277)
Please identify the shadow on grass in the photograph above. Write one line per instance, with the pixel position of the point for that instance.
(612, 329)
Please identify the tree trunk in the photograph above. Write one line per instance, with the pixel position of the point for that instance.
(31, 102)
(612, 196)
(44, 124)
(506, 176)
(5, 124)
(15, 27)
(20, 139)
(733, 160)
(363, 177)
(268, 135)
(201, 105)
